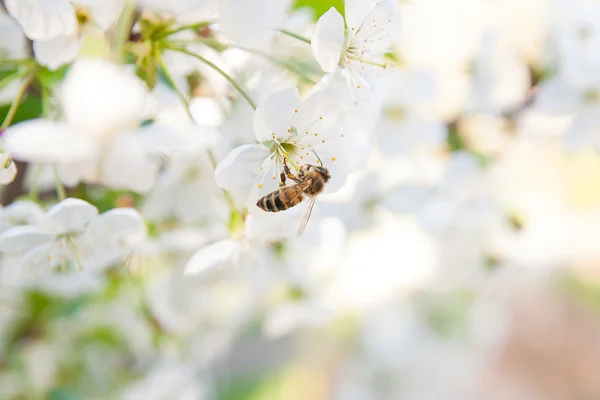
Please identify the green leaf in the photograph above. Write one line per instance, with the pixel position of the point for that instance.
(50, 78)
(30, 108)
(320, 7)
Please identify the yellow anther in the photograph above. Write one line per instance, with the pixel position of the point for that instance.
(323, 141)
(333, 158)
(260, 185)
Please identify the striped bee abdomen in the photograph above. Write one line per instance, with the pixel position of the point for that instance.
(280, 200)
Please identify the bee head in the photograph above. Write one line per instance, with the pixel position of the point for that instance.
(324, 172)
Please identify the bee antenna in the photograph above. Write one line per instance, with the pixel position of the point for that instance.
(318, 158)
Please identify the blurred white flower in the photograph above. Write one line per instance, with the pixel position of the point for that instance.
(98, 142)
(187, 182)
(58, 27)
(500, 78)
(72, 236)
(407, 123)
(356, 55)
(22, 212)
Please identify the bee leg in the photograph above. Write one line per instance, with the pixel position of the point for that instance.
(288, 173)
(282, 178)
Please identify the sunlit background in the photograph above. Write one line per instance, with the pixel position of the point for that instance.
(455, 252)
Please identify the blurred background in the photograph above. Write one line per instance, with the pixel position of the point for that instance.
(460, 260)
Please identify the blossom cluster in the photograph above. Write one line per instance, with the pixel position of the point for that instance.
(451, 150)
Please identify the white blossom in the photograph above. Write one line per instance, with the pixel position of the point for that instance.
(358, 54)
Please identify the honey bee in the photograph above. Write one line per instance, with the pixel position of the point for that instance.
(310, 182)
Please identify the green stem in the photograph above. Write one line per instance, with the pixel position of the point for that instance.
(295, 35)
(9, 78)
(60, 190)
(224, 74)
(228, 197)
(171, 82)
(123, 29)
(16, 102)
(183, 28)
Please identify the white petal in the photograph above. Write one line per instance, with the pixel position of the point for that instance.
(22, 212)
(12, 41)
(111, 236)
(70, 215)
(356, 11)
(40, 140)
(105, 12)
(275, 115)
(127, 165)
(320, 113)
(57, 51)
(22, 238)
(100, 97)
(8, 169)
(263, 227)
(213, 256)
(43, 19)
(241, 167)
(328, 40)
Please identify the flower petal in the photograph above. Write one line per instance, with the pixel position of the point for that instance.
(213, 256)
(328, 40)
(43, 19)
(22, 212)
(57, 51)
(111, 236)
(22, 238)
(320, 112)
(274, 116)
(70, 215)
(127, 165)
(241, 167)
(40, 140)
(356, 11)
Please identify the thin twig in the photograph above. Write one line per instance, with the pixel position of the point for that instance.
(224, 74)
(16, 102)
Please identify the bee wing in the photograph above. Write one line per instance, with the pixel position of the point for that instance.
(306, 216)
